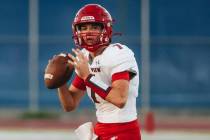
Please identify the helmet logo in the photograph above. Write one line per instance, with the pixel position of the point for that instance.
(87, 18)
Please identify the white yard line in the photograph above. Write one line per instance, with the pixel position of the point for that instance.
(23, 134)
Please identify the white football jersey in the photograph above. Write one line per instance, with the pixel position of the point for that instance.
(114, 59)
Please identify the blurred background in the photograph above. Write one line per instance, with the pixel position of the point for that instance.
(171, 41)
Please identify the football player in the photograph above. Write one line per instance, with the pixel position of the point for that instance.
(107, 72)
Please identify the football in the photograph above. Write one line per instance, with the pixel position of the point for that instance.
(58, 71)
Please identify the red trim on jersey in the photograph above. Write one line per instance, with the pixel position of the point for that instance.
(122, 131)
(96, 88)
(119, 46)
(121, 75)
(79, 83)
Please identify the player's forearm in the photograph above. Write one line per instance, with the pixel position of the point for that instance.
(66, 98)
(118, 97)
(116, 94)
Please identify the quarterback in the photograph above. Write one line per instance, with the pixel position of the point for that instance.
(107, 72)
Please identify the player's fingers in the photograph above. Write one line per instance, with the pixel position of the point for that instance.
(72, 63)
(75, 52)
(78, 53)
(78, 57)
(72, 57)
(82, 55)
(75, 61)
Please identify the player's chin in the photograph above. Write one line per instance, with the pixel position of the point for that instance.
(90, 43)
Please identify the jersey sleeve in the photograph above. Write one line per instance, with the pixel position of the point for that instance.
(123, 60)
(121, 76)
(78, 83)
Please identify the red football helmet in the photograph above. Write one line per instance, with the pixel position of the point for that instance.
(93, 13)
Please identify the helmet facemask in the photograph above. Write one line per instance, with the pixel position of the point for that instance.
(100, 38)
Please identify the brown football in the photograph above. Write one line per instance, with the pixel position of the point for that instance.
(58, 71)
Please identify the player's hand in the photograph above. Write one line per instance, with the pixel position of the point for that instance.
(80, 63)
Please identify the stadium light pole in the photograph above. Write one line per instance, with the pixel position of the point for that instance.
(145, 55)
(33, 54)
(149, 121)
